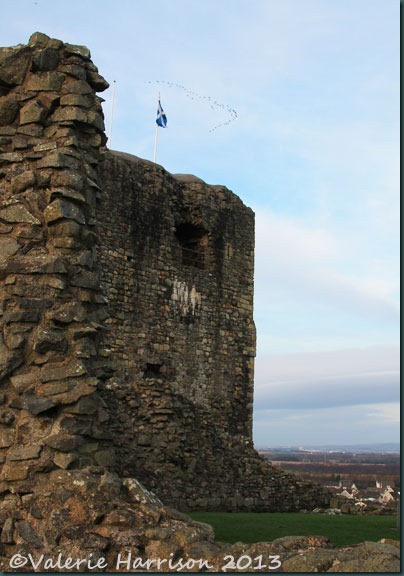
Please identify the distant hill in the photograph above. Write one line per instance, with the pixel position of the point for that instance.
(377, 447)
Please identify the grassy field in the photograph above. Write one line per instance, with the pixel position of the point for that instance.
(342, 530)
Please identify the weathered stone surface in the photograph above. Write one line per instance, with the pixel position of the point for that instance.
(14, 63)
(7, 437)
(37, 405)
(96, 81)
(28, 534)
(9, 359)
(77, 87)
(64, 459)
(81, 51)
(13, 472)
(21, 183)
(57, 160)
(48, 81)
(49, 339)
(8, 247)
(62, 208)
(64, 442)
(10, 157)
(69, 179)
(70, 113)
(17, 212)
(32, 112)
(38, 39)
(71, 369)
(86, 279)
(7, 532)
(67, 313)
(46, 59)
(6, 417)
(85, 404)
(24, 452)
(23, 381)
(38, 264)
(8, 110)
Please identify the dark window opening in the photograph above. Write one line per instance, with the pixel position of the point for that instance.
(193, 240)
(152, 371)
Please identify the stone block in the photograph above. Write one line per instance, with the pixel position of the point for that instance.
(46, 339)
(69, 193)
(77, 50)
(61, 208)
(76, 425)
(22, 182)
(14, 64)
(38, 39)
(69, 179)
(47, 81)
(24, 452)
(17, 212)
(8, 110)
(96, 81)
(74, 70)
(22, 382)
(10, 157)
(86, 403)
(13, 472)
(63, 442)
(46, 59)
(8, 247)
(96, 120)
(57, 160)
(7, 437)
(36, 405)
(7, 533)
(64, 459)
(28, 534)
(70, 369)
(70, 114)
(53, 388)
(67, 313)
(32, 112)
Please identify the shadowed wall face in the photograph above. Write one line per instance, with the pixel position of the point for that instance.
(179, 274)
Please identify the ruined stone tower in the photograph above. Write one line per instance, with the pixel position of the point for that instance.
(127, 336)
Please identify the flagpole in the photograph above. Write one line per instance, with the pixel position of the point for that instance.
(155, 142)
(156, 138)
(112, 114)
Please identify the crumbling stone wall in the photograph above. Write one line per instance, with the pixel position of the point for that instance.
(127, 297)
(182, 338)
(181, 314)
(52, 308)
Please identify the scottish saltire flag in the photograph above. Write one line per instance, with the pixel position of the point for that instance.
(161, 117)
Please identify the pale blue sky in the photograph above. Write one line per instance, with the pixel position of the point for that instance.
(314, 151)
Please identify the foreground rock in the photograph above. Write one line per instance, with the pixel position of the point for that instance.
(91, 520)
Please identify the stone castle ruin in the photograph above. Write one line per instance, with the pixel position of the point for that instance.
(127, 336)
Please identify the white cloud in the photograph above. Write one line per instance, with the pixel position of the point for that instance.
(350, 425)
(308, 263)
(327, 379)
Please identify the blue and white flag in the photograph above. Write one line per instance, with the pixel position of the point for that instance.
(161, 117)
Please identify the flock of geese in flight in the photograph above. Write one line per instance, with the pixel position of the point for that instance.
(214, 104)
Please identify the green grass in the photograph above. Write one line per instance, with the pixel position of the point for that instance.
(343, 530)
